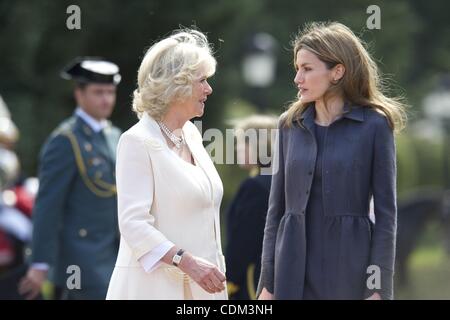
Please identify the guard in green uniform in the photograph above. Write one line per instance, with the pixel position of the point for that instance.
(75, 230)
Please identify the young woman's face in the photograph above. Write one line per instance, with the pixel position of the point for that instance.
(312, 78)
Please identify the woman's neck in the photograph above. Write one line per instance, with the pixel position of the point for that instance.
(174, 121)
(326, 115)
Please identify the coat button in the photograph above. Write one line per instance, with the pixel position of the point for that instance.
(307, 191)
(303, 211)
(82, 232)
(310, 173)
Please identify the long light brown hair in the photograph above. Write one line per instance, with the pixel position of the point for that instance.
(334, 43)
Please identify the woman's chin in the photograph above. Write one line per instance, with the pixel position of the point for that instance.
(200, 113)
(202, 109)
(305, 100)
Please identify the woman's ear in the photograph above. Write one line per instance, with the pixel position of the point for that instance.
(339, 71)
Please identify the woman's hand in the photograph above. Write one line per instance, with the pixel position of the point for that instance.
(207, 275)
(265, 295)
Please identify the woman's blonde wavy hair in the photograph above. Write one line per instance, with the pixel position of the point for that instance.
(334, 43)
(168, 70)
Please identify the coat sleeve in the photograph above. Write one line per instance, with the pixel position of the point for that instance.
(56, 174)
(274, 213)
(385, 207)
(135, 193)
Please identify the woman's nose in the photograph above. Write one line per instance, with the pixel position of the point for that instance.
(208, 89)
(298, 78)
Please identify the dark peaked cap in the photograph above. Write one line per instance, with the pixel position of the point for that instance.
(92, 70)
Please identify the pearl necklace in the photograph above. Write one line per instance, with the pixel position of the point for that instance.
(177, 141)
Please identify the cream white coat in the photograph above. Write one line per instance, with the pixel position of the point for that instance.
(159, 199)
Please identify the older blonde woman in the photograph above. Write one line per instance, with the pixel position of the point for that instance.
(169, 192)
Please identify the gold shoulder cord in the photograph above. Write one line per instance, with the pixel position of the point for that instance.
(250, 281)
(232, 288)
(110, 188)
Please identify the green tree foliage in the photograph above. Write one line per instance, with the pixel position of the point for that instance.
(412, 45)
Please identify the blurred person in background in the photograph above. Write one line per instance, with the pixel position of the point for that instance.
(15, 223)
(22, 190)
(246, 216)
(74, 217)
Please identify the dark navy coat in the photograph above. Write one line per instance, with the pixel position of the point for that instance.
(359, 163)
(75, 214)
(246, 219)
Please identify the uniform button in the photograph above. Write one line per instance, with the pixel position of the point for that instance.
(28, 252)
(88, 147)
(82, 233)
(96, 161)
(87, 130)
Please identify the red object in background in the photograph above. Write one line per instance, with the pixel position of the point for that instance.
(20, 198)
(24, 201)
(7, 254)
